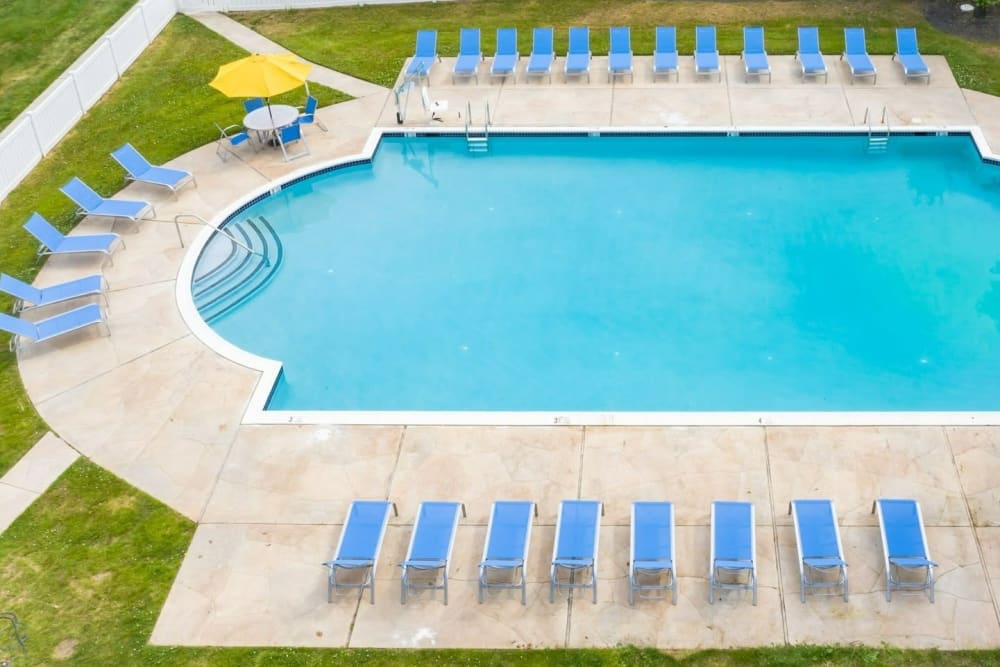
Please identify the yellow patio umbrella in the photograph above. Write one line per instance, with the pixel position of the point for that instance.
(261, 75)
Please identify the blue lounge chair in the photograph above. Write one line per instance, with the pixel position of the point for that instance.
(430, 548)
(706, 54)
(754, 55)
(665, 51)
(54, 242)
(308, 115)
(290, 134)
(357, 550)
(620, 53)
(578, 54)
(91, 203)
(425, 54)
(733, 552)
(54, 326)
(137, 168)
(651, 550)
(574, 553)
(505, 554)
(909, 56)
(817, 537)
(470, 54)
(230, 137)
(856, 53)
(253, 104)
(542, 54)
(908, 564)
(809, 56)
(507, 55)
(27, 297)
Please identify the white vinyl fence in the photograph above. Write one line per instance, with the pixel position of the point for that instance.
(40, 127)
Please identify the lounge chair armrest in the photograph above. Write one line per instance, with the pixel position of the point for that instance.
(424, 564)
(662, 564)
(725, 564)
(911, 561)
(502, 562)
(349, 563)
(824, 561)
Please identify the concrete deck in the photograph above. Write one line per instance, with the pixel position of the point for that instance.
(151, 403)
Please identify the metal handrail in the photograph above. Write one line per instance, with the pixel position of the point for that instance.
(468, 118)
(227, 234)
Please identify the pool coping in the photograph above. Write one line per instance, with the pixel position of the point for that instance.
(271, 369)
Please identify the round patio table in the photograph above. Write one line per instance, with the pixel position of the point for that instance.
(267, 120)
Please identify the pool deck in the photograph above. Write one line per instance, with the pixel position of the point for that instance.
(155, 406)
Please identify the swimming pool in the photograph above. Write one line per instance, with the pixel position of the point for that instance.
(618, 274)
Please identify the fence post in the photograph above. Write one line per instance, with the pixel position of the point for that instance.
(34, 132)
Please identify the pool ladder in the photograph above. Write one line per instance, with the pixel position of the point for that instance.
(878, 139)
(477, 140)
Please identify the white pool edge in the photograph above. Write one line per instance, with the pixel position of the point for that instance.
(270, 369)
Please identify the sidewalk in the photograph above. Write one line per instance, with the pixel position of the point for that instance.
(255, 43)
(32, 475)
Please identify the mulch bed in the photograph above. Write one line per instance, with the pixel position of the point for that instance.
(946, 16)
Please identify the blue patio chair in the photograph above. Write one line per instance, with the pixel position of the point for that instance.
(817, 538)
(574, 553)
(356, 556)
(908, 564)
(91, 203)
(754, 55)
(253, 104)
(505, 554)
(54, 242)
(291, 134)
(425, 54)
(470, 54)
(542, 54)
(27, 297)
(507, 55)
(138, 168)
(52, 327)
(431, 544)
(706, 53)
(651, 550)
(856, 53)
(308, 113)
(733, 551)
(665, 51)
(809, 56)
(620, 52)
(230, 137)
(909, 56)
(578, 54)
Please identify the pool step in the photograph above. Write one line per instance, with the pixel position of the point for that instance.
(233, 271)
(478, 144)
(878, 143)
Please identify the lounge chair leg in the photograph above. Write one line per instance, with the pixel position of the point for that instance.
(402, 588)
(446, 589)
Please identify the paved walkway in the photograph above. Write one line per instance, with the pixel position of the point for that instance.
(32, 475)
(155, 406)
(256, 43)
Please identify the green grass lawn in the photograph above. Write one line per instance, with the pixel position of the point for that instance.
(371, 42)
(39, 40)
(164, 106)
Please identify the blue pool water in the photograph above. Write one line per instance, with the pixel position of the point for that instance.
(637, 273)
